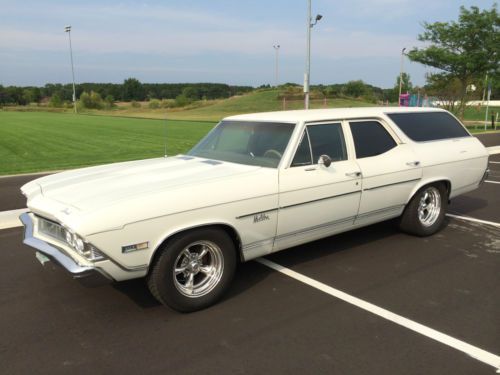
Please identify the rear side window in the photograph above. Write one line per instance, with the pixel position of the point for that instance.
(370, 138)
(428, 126)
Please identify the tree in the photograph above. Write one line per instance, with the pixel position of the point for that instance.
(191, 93)
(447, 91)
(355, 89)
(133, 90)
(465, 50)
(407, 86)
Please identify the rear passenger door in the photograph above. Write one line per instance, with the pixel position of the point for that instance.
(389, 169)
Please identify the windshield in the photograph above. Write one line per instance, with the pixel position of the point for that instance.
(245, 142)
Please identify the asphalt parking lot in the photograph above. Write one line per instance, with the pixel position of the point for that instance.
(270, 322)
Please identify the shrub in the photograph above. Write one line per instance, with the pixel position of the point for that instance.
(91, 101)
(168, 103)
(154, 104)
(55, 101)
(135, 104)
(109, 101)
(182, 101)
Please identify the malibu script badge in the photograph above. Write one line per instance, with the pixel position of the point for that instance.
(260, 217)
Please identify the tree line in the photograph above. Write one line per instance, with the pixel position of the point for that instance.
(130, 90)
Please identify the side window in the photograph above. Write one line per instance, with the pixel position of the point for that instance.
(303, 154)
(428, 126)
(325, 139)
(370, 138)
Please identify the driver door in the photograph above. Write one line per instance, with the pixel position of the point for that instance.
(317, 201)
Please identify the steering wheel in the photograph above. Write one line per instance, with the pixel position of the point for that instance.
(272, 154)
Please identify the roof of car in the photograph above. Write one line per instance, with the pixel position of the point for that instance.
(326, 114)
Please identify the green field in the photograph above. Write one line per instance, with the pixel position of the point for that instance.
(39, 141)
(34, 140)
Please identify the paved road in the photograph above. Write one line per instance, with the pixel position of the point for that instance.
(270, 323)
(489, 140)
(10, 195)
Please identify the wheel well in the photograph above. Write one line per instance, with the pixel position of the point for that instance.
(230, 231)
(446, 183)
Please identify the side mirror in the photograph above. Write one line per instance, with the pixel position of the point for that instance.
(325, 160)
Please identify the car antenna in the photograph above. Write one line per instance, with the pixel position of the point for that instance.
(165, 136)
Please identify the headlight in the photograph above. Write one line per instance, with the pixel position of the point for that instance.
(73, 240)
(69, 238)
(86, 249)
(79, 245)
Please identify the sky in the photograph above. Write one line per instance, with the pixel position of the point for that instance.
(214, 41)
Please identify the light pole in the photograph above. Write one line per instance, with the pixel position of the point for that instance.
(277, 49)
(307, 74)
(401, 75)
(67, 29)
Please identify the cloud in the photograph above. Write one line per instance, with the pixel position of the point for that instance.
(330, 43)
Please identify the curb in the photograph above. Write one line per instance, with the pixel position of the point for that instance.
(10, 219)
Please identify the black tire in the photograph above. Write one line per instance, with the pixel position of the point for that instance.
(414, 223)
(173, 289)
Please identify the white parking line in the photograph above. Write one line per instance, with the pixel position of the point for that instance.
(494, 162)
(10, 219)
(467, 218)
(492, 182)
(475, 352)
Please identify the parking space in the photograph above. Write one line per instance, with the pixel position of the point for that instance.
(494, 166)
(270, 322)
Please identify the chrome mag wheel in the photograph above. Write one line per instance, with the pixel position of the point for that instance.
(198, 269)
(429, 206)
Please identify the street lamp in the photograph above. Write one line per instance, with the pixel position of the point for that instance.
(67, 29)
(401, 75)
(277, 49)
(307, 74)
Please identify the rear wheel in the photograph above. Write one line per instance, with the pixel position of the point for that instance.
(424, 214)
(193, 270)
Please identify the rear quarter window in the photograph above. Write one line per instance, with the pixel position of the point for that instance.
(428, 126)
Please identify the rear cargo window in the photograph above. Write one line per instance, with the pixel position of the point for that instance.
(428, 126)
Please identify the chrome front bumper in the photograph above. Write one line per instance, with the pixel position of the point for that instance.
(87, 275)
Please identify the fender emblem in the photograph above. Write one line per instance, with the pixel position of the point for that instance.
(260, 217)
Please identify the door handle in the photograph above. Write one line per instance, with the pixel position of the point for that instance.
(353, 174)
(415, 163)
(310, 169)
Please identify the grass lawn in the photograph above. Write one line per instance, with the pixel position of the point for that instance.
(474, 113)
(41, 141)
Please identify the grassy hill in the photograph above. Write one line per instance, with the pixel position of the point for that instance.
(256, 101)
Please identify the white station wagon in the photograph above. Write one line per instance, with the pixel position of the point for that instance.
(256, 184)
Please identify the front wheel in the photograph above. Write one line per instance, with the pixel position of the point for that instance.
(193, 270)
(424, 215)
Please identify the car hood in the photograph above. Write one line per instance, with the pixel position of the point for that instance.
(140, 188)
